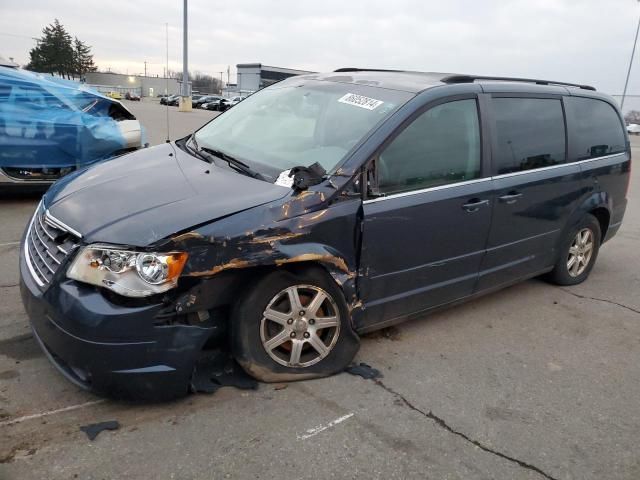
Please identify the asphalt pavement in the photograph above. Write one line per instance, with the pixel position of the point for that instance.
(531, 382)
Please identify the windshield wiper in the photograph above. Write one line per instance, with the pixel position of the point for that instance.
(195, 150)
(232, 161)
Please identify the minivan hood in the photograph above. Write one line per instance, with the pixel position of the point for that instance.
(145, 196)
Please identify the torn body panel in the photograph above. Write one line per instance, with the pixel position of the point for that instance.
(304, 228)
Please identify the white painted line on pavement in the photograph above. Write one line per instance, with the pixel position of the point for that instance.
(321, 428)
(9, 243)
(50, 412)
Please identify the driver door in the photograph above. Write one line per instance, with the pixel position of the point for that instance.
(425, 234)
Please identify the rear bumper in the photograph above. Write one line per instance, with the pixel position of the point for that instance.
(110, 349)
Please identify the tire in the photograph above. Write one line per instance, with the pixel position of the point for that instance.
(295, 353)
(566, 272)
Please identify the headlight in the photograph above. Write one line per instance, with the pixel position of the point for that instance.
(129, 273)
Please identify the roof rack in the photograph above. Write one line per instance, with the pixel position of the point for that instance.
(473, 78)
(355, 69)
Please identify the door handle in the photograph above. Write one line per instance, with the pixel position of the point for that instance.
(475, 204)
(511, 197)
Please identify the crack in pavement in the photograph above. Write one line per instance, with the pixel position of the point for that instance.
(441, 423)
(600, 300)
(9, 285)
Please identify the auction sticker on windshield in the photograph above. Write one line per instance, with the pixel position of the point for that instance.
(360, 101)
(284, 180)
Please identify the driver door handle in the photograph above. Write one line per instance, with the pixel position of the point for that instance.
(511, 197)
(474, 204)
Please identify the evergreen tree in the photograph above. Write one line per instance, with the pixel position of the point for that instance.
(56, 52)
(83, 59)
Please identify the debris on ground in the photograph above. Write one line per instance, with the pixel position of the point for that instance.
(94, 429)
(389, 333)
(365, 371)
(280, 386)
(217, 370)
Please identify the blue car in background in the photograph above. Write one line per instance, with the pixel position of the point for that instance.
(50, 127)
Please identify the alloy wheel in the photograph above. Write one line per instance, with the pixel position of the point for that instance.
(580, 252)
(300, 326)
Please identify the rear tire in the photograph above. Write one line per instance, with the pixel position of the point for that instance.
(578, 253)
(293, 326)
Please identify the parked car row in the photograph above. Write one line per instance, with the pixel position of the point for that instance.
(169, 99)
(223, 104)
(205, 102)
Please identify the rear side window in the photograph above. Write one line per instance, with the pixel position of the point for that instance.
(529, 133)
(441, 146)
(594, 128)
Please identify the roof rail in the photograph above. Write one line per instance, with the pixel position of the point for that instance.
(354, 69)
(473, 78)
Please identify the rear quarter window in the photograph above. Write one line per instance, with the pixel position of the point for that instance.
(529, 134)
(595, 128)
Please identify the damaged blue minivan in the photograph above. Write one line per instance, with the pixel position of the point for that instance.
(318, 209)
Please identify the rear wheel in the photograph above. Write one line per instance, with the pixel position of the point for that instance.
(578, 253)
(293, 326)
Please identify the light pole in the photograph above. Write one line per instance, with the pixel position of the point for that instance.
(185, 91)
(221, 80)
(633, 52)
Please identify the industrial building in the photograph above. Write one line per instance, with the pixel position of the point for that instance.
(139, 84)
(254, 76)
(251, 77)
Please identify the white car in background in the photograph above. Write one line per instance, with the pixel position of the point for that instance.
(235, 101)
(633, 129)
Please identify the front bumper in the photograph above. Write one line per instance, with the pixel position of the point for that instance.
(110, 349)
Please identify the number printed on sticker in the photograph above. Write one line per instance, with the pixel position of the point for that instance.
(360, 101)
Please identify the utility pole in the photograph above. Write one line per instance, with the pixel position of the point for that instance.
(633, 52)
(185, 93)
(166, 77)
(145, 68)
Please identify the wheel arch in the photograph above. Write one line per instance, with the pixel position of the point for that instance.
(598, 204)
(222, 285)
(603, 215)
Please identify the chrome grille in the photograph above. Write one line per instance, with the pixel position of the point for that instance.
(47, 245)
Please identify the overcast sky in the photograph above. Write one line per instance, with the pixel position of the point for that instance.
(585, 41)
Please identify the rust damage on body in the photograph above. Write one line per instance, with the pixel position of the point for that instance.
(313, 226)
(314, 257)
(234, 263)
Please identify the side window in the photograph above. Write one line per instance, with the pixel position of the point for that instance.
(529, 132)
(594, 128)
(441, 146)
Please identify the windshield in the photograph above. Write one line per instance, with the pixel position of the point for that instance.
(299, 122)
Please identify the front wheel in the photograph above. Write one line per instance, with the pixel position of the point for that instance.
(578, 253)
(293, 326)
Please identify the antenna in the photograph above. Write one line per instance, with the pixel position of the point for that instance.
(166, 79)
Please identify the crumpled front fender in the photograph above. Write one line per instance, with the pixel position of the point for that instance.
(269, 236)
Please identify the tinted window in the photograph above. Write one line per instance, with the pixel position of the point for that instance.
(530, 134)
(440, 146)
(594, 128)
